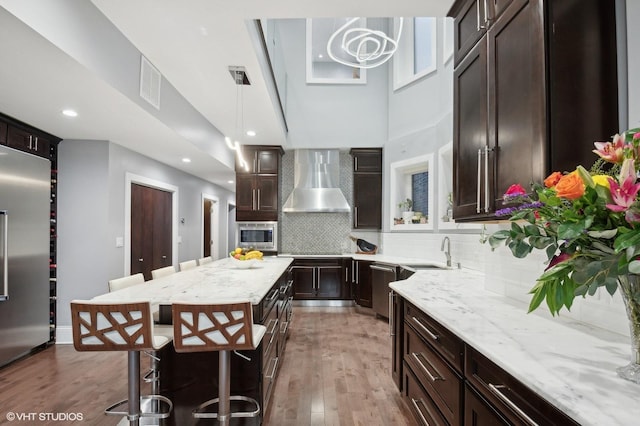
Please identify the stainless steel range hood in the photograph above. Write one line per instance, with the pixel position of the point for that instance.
(316, 189)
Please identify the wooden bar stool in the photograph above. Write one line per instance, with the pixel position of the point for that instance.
(121, 327)
(222, 328)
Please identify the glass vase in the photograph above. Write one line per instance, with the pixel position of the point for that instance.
(630, 289)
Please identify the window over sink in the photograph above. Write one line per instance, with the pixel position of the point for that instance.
(412, 194)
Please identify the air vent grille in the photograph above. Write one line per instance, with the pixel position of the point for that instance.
(150, 81)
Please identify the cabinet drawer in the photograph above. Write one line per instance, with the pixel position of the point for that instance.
(518, 403)
(421, 406)
(446, 343)
(434, 374)
(478, 412)
(271, 337)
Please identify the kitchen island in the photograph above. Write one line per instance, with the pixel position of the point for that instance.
(189, 379)
(569, 364)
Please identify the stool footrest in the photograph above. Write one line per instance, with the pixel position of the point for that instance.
(200, 414)
(145, 400)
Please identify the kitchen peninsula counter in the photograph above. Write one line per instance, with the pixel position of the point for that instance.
(568, 363)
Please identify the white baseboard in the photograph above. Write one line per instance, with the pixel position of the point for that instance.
(64, 335)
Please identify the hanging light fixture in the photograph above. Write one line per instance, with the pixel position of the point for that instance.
(365, 47)
(239, 75)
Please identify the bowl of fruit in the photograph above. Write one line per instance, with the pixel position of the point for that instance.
(243, 258)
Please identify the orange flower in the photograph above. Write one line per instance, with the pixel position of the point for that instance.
(570, 186)
(552, 179)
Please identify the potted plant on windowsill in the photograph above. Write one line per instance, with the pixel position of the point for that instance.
(407, 213)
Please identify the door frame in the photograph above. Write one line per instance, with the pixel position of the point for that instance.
(215, 225)
(131, 178)
(227, 217)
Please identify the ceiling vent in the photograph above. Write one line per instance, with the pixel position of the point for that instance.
(150, 79)
(239, 75)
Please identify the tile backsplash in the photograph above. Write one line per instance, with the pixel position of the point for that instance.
(318, 233)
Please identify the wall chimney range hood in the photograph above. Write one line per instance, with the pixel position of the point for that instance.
(316, 183)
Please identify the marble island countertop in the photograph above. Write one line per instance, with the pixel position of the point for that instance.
(219, 281)
(570, 364)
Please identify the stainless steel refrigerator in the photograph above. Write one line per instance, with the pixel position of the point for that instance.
(25, 187)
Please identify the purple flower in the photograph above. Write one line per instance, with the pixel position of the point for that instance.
(511, 210)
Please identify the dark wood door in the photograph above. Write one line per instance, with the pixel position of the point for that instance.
(329, 282)
(245, 193)
(363, 283)
(517, 100)
(367, 200)
(151, 229)
(207, 210)
(468, 27)
(367, 160)
(28, 141)
(470, 131)
(303, 282)
(267, 161)
(478, 413)
(267, 193)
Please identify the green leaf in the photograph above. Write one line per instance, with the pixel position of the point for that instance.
(531, 230)
(611, 285)
(626, 240)
(569, 231)
(538, 296)
(497, 238)
(519, 248)
(607, 233)
(551, 251)
(558, 270)
(568, 288)
(551, 297)
(634, 267)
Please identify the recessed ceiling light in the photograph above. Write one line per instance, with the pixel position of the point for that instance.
(229, 181)
(251, 133)
(320, 55)
(69, 113)
(186, 160)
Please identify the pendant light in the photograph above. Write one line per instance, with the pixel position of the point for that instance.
(239, 75)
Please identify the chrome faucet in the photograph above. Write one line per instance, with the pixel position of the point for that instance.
(447, 253)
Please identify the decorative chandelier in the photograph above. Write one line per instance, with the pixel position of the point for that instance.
(365, 47)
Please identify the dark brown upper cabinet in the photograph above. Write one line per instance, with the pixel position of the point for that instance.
(532, 92)
(367, 188)
(257, 189)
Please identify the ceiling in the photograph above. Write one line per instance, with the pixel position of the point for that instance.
(192, 47)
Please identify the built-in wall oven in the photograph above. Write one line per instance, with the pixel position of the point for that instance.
(259, 235)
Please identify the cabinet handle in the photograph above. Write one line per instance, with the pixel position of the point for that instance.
(273, 328)
(258, 202)
(275, 294)
(415, 405)
(426, 330)
(392, 314)
(284, 327)
(486, 178)
(478, 26)
(425, 369)
(164, 257)
(496, 390)
(355, 217)
(383, 269)
(486, 14)
(275, 368)
(141, 260)
(35, 146)
(356, 165)
(253, 199)
(479, 180)
(30, 139)
(346, 275)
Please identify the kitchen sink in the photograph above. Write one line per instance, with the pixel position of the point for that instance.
(427, 266)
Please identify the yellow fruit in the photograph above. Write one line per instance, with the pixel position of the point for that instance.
(238, 250)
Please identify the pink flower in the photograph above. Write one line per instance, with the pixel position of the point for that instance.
(562, 257)
(515, 190)
(623, 195)
(612, 152)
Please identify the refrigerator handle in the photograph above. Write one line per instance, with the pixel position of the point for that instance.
(4, 255)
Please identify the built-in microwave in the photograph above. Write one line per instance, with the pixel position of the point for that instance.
(259, 235)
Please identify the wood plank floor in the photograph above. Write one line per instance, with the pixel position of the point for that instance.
(336, 371)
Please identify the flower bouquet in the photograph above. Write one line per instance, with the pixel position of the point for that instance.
(588, 222)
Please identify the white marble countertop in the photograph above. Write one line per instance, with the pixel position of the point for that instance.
(215, 282)
(570, 364)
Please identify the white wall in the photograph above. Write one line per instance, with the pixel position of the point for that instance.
(91, 205)
(329, 116)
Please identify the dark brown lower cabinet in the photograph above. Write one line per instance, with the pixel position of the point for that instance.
(318, 278)
(422, 407)
(361, 282)
(477, 412)
(447, 382)
(189, 379)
